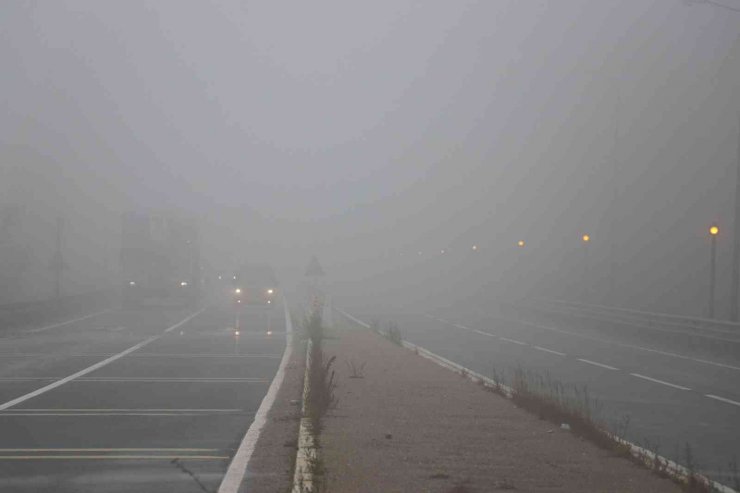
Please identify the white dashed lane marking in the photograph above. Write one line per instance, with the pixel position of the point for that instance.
(540, 348)
(513, 341)
(600, 365)
(662, 382)
(608, 367)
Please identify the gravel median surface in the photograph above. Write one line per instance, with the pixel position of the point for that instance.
(409, 425)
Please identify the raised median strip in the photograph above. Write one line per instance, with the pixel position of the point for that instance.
(412, 428)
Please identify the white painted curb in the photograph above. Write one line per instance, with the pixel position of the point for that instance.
(307, 451)
(648, 457)
(238, 466)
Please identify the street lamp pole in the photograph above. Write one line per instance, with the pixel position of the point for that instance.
(735, 286)
(520, 265)
(586, 239)
(713, 232)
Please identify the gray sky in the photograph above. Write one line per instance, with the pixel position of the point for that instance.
(361, 130)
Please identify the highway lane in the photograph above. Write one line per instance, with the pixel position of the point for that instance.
(670, 396)
(165, 416)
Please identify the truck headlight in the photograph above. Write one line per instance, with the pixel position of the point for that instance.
(270, 291)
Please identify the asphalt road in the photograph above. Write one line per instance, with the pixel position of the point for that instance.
(149, 400)
(674, 389)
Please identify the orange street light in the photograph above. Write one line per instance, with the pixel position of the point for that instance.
(586, 238)
(713, 232)
(520, 243)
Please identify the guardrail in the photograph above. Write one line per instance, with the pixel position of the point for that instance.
(24, 314)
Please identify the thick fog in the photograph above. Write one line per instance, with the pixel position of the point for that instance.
(377, 135)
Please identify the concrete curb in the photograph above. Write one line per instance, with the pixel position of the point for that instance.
(648, 457)
(303, 481)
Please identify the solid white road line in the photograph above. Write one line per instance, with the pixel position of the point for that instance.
(601, 365)
(662, 382)
(62, 324)
(238, 466)
(540, 348)
(718, 398)
(96, 366)
(513, 341)
(484, 333)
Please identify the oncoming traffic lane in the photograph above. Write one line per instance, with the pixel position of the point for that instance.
(180, 402)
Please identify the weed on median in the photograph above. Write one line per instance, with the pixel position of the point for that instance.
(393, 334)
(319, 398)
(356, 370)
(574, 406)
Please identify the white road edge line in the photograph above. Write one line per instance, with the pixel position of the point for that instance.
(484, 333)
(728, 401)
(96, 366)
(662, 382)
(601, 365)
(62, 324)
(540, 348)
(238, 466)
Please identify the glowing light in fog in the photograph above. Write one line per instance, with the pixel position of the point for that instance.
(269, 332)
(238, 290)
(236, 332)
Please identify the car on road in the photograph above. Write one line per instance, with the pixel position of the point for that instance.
(254, 284)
